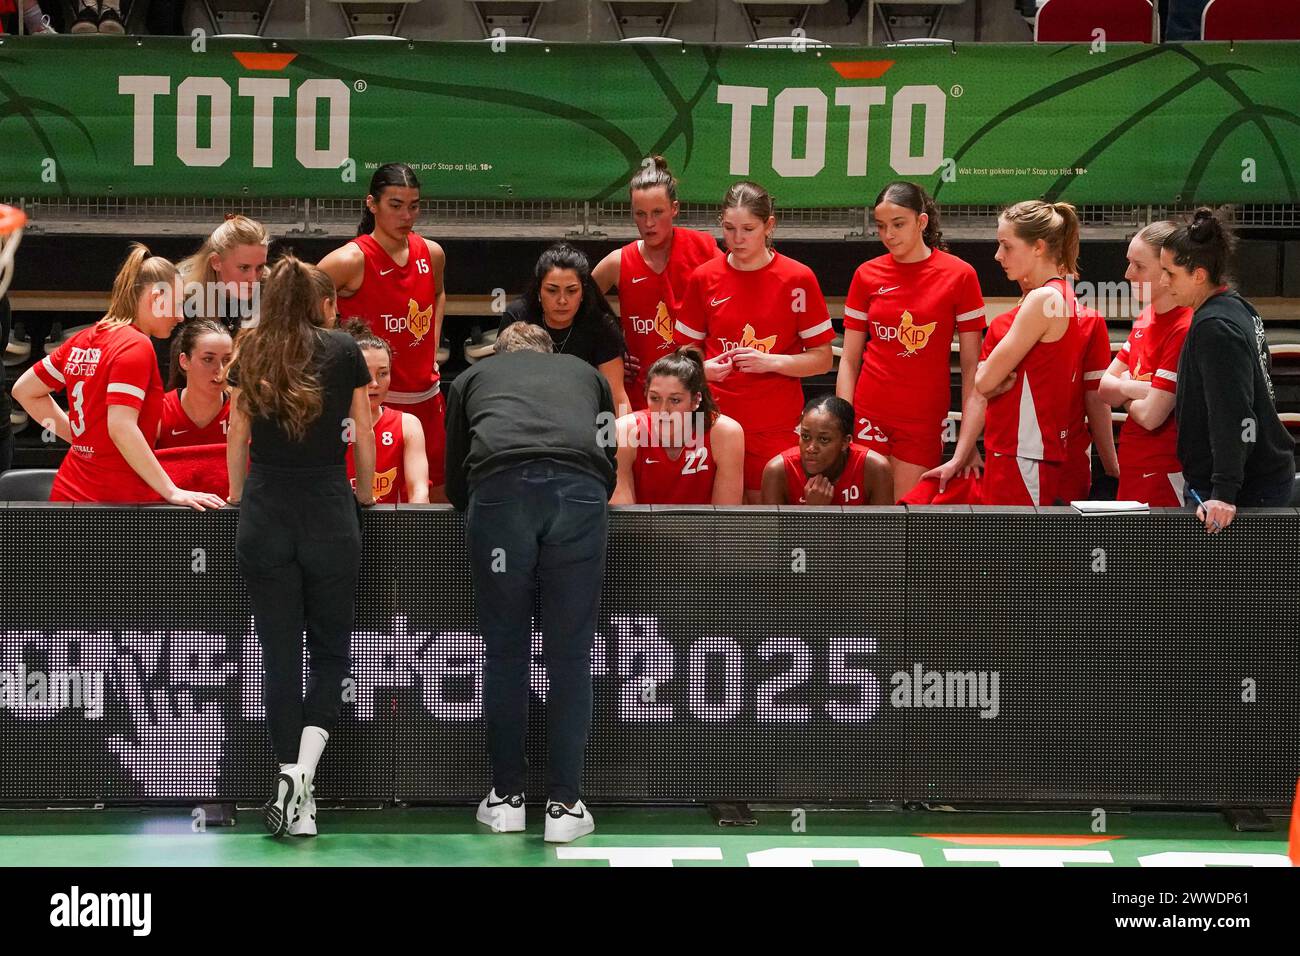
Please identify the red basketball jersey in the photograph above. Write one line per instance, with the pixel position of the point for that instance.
(1151, 354)
(649, 301)
(390, 446)
(778, 309)
(398, 302)
(99, 367)
(1032, 419)
(661, 479)
(910, 311)
(178, 429)
(850, 488)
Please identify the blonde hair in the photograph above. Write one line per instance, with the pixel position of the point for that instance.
(524, 337)
(1056, 223)
(277, 378)
(752, 198)
(1157, 234)
(140, 272)
(236, 231)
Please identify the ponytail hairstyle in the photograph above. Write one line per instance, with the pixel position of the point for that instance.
(595, 307)
(183, 343)
(365, 336)
(197, 269)
(324, 286)
(389, 174)
(838, 409)
(1207, 242)
(1056, 223)
(654, 174)
(686, 365)
(752, 198)
(141, 272)
(278, 378)
(913, 197)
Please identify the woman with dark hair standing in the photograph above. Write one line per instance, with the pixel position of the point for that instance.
(562, 298)
(1234, 448)
(762, 323)
(394, 280)
(299, 393)
(900, 316)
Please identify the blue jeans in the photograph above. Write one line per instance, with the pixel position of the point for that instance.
(546, 523)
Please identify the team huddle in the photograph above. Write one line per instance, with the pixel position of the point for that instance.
(703, 357)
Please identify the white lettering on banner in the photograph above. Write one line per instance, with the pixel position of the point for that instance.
(145, 92)
(904, 157)
(1021, 858)
(657, 856)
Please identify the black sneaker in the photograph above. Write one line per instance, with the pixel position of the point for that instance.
(87, 18)
(110, 21)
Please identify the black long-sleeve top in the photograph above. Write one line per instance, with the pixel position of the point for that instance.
(523, 406)
(1230, 438)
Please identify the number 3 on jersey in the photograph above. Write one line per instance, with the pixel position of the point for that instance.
(77, 414)
(696, 461)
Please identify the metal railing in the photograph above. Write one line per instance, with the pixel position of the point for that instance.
(544, 219)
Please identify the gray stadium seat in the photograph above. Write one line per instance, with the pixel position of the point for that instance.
(27, 484)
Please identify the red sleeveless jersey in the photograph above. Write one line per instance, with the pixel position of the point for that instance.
(661, 480)
(99, 367)
(850, 489)
(397, 302)
(1032, 419)
(648, 301)
(178, 429)
(390, 446)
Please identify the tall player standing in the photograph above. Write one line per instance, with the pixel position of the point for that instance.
(393, 279)
(762, 322)
(900, 316)
(651, 272)
(1032, 361)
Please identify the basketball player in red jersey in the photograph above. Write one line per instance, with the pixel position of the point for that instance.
(1033, 362)
(393, 278)
(1089, 417)
(762, 322)
(401, 467)
(680, 449)
(1143, 380)
(903, 309)
(115, 393)
(651, 273)
(826, 467)
(196, 410)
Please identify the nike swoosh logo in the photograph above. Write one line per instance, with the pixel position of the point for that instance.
(882, 290)
(499, 803)
(384, 272)
(651, 461)
(716, 302)
(639, 279)
(1152, 475)
(181, 432)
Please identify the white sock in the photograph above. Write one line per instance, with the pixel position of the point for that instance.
(285, 767)
(310, 748)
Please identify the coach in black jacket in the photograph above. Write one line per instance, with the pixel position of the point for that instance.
(531, 459)
(1233, 446)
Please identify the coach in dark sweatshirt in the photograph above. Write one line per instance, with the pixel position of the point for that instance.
(1234, 449)
(531, 460)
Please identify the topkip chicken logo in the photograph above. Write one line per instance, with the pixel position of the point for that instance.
(419, 320)
(912, 337)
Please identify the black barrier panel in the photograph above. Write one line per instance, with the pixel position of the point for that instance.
(783, 654)
(1138, 659)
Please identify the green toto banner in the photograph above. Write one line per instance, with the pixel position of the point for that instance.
(229, 118)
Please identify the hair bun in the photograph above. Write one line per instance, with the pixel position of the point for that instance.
(1205, 225)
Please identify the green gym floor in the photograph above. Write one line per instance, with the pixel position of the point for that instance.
(679, 836)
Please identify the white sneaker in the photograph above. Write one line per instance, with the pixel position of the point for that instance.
(502, 814)
(564, 825)
(305, 825)
(282, 810)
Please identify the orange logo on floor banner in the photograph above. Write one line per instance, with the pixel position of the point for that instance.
(418, 321)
